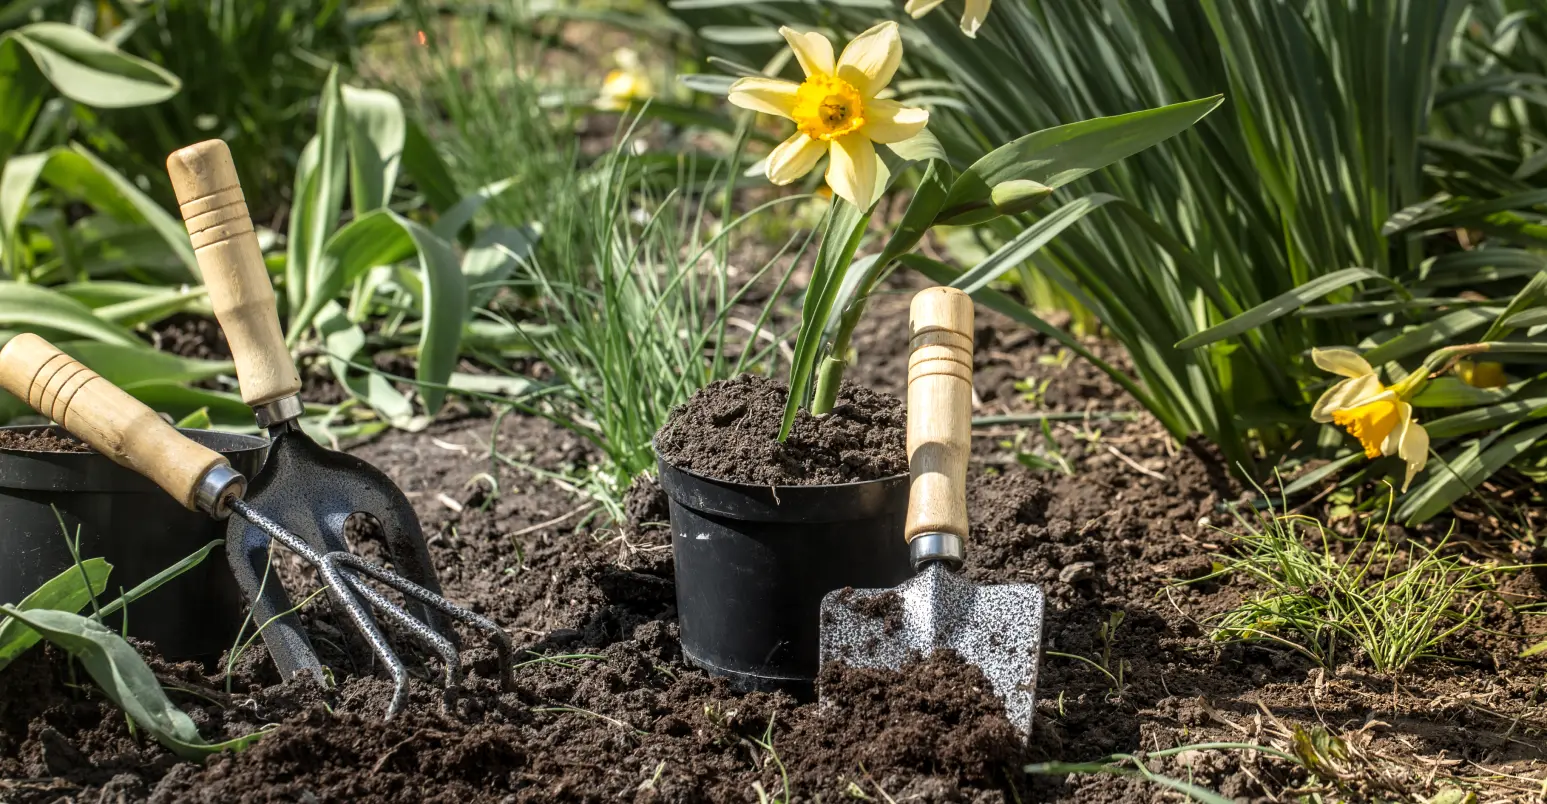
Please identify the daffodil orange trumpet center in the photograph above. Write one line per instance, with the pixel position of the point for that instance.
(1371, 423)
(828, 107)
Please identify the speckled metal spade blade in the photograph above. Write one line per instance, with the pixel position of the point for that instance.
(998, 628)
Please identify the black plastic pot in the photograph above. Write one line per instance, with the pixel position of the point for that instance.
(136, 527)
(753, 562)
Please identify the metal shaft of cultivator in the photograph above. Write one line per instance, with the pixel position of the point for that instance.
(133, 436)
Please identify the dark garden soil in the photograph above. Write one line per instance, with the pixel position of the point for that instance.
(729, 431)
(40, 441)
(605, 709)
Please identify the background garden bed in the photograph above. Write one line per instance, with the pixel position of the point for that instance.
(606, 709)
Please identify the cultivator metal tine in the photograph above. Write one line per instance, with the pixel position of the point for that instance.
(347, 591)
(435, 602)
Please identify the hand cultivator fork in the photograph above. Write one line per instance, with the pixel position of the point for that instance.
(305, 493)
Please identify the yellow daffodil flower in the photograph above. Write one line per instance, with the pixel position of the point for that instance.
(1380, 417)
(972, 16)
(836, 111)
(1483, 374)
(624, 85)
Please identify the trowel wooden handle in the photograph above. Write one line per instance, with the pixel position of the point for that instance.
(104, 416)
(939, 411)
(215, 212)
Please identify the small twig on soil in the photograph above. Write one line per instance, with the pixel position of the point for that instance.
(1135, 465)
(577, 710)
(550, 523)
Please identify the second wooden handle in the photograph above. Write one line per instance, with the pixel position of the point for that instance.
(215, 211)
(939, 411)
(104, 416)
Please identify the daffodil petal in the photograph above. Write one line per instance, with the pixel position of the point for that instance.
(1346, 362)
(793, 158)
(871, 59)
(766, 95)
(919, 8)
(1342, 394)
(1414, 449)
(889, 121)
(812, 50)
(973, 16)
(851, 169)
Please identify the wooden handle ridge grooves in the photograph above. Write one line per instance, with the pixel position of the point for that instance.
(104, 416)
(214, 209)
(939, 411)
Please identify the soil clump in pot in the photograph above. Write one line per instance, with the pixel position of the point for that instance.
(40, 441)
(729, 431)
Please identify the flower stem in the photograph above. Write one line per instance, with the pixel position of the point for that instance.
(830, 375)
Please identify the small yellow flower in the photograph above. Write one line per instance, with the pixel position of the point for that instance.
(1484, 374)
(624, 85)
(835, 110)
(1380, 417)
(972, 16)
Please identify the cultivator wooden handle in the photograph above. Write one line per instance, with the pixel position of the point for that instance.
(104, 416)
(939, 422)
(215, 211)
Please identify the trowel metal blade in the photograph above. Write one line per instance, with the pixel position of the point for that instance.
(996, 627)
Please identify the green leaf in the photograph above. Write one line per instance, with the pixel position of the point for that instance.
(740, 35)
(154, 582)
(1465, 472)
(364, 243)
(1529, 403)
(376, 135)
(840, 238)
(320, 178)
(87, 70)
(130, 365)
(708, 83)
(226, 411)
(1515, 315)
(445, 310)
(450, 223)
(921, 147)
(125, 679)
(80, 174)
(1029, 241)
(1056, 156)
(1439, 332)
(22, 89)
(344, 341)
(1278, 306)
(197, 420)
(67, 591)
(1451, 392)
(424, 165)
(29, 307)
(492, 258)
(153, 307)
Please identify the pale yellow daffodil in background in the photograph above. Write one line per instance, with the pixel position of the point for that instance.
(1482, 374)
(835, 110)
(972, 16)
(1380, 417)
(625, 84)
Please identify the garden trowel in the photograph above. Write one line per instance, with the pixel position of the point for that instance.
(998, 628)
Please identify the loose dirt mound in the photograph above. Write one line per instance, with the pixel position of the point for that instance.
(729, 431)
